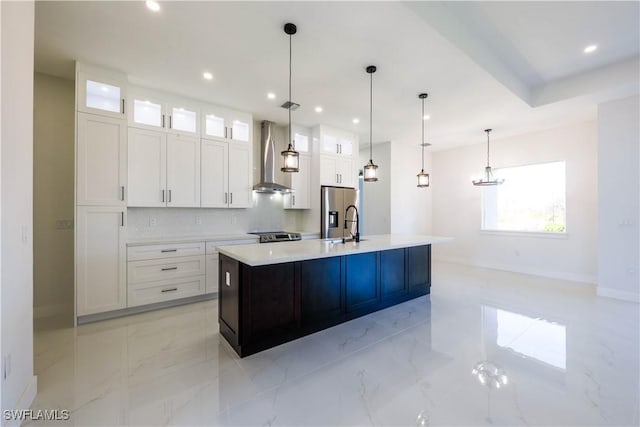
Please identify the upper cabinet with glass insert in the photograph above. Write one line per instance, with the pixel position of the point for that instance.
(338, 142)
(101, 92)
(156, 111)
(228, 125)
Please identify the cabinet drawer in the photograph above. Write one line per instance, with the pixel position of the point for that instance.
(164, 290)
(159, 269)
(212, 245)
(135, 253)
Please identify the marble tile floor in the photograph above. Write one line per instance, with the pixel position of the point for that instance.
(485, 348)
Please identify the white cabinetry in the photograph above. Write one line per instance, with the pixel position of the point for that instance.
(226, 174)
(300, 183)
(337, 156)
(224, 124)
(156, 111)
(100, 92)
(101, 152)
(164, 170)
(100, 259)
(159, 273)
(212, 259)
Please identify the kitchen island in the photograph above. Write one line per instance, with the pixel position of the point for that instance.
(274, 293)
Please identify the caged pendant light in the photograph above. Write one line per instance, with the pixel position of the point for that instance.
(371, 169)
(290, 157)
(423, 178)
(488, 178)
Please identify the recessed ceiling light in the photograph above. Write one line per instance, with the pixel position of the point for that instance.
(356, 121)
(426, 117)
(271, 95)
(153, 5)
(591, 48)
(207, 75)
(318, 109)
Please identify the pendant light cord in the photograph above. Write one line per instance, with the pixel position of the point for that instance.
(488, 147)
(291, 142)
(371, 119)
(422, 134)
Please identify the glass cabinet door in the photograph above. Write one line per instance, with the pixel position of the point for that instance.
(329, 144)
(214, 125)
(148, 113)
(346, 147)
(302, 142)
(103, 96)
(240, 130)
(183, 120)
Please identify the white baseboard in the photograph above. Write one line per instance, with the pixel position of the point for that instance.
(562, 275)
(25, 401)
(621, 295)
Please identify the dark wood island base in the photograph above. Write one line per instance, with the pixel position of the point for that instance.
(263, 306)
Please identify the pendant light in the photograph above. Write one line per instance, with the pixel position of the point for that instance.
(371, 169)
(487, 179)
(423, 178)
(290, 156)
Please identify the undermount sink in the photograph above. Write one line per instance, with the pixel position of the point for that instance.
(334, 240)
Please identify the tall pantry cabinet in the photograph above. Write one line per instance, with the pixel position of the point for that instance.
(100, 191)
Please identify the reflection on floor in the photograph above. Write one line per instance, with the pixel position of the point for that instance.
(567, 358)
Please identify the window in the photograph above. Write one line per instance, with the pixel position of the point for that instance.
(532, 199)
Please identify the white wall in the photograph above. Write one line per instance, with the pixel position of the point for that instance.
(619, 189)
(376, 196)
(456, 204)
(53, 164)
(17, 29)
(411, 210)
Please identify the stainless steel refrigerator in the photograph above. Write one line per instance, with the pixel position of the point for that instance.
(335, 201)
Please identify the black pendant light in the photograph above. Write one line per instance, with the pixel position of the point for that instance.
(487, 179)
(423, 178)
(371, 169)
(290, 157)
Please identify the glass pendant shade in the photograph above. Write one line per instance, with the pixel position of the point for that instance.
(487, 178)
(290, 157)
(423, 179)
(370, 172)
(291, 160)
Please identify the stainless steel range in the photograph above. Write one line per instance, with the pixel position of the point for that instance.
(277, 236)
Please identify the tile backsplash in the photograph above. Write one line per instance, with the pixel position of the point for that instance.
(266, 215)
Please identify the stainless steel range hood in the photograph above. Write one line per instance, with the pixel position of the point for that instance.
(267, 182)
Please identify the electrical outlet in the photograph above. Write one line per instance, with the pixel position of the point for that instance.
(153, 221)
(25, 235)
(198, 220)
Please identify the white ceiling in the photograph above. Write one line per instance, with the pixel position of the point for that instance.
(516, 67)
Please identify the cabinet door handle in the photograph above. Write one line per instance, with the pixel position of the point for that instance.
(225, 198)
(337, 178)
(122, 105)
(230, 198)
(169, 197)
(169, 268)
(162, 196)
(294, 200)
(169, 290)
(231, 132)
(168, 250)
(163, 121)
(122, 193)
(170, 122)
(225, 132)
(122, 219)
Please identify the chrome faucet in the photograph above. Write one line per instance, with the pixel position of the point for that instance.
(356, 237)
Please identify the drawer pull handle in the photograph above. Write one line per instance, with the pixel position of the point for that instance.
(169, 290)
(169, 268)
(168, 250)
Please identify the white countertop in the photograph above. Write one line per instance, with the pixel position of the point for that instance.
(275, 253)
(205, 237)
